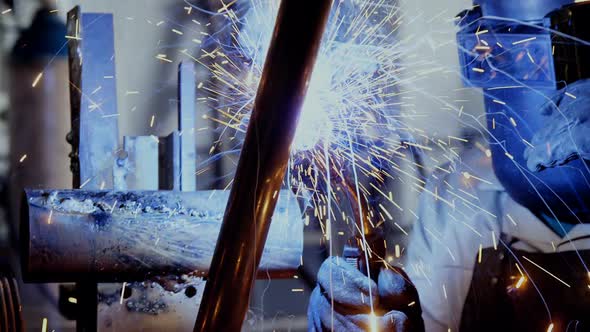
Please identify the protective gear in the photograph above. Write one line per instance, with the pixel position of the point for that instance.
(461, 255)
(499, 289)
(550, 180)
(467, 210)
(526, 10)
(567, 120)
(341, 300)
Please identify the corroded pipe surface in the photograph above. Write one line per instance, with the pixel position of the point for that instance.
(71, 235)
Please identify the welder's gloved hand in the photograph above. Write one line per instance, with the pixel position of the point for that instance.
(395, 301)
(565, 135)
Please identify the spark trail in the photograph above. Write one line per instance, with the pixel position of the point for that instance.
(354, 138)
(351, 140)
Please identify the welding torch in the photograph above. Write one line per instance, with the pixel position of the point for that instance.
(366, 249)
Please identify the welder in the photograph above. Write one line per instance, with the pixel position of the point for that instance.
(511, 256)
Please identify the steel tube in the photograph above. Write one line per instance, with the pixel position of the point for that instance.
(75, 235)
(289, 63)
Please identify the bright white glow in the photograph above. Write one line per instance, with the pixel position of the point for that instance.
(373, 322)
(348, 92)
(314, 122)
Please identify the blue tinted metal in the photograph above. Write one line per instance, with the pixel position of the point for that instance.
(528, 10)
(493, 54)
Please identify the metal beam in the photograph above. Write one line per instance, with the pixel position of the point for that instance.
(186, 126)
(94, 134)
(140, 163)
(93, 98)
(169, 162)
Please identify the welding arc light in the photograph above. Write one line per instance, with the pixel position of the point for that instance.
(315, 124)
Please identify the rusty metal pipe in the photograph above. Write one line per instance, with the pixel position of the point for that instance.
(289, 63)
(72, 235)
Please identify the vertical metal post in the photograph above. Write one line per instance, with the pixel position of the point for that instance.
(296, 39)
(177, 151)
(141, 163)
(186, 125)
(94, 133)
(169, 162)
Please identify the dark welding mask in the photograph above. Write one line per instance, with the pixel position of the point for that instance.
(524, 53)
(502, 47)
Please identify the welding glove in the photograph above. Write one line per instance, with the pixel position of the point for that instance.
(341, 300)
(565, 137)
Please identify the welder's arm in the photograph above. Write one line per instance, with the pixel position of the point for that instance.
(342, 301)
(565, 137)
(442, 247)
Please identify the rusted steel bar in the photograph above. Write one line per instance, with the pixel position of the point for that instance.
(129, 236)
(296, 39)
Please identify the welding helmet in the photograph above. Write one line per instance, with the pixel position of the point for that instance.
(525, 55)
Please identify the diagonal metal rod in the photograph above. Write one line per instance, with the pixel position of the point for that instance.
(263, 161)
